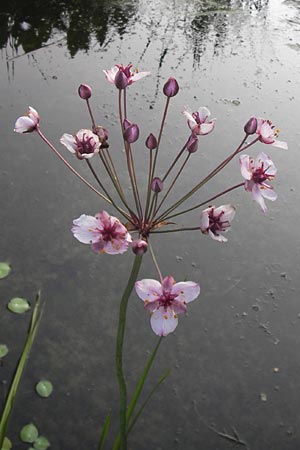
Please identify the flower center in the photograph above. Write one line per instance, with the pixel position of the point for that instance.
(216, 223)
(85, 145)
(260, 174)
(167, 299)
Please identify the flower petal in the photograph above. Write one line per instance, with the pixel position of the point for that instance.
(256, 193)
(217, 237)
(86, 229)
(138, 76)
(163, 321)
(24, 124)
(206, 128)
(186, 291)
(68, 141)
(204, 113)
(148, 290)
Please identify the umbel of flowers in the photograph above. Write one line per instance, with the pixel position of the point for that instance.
(138, 220)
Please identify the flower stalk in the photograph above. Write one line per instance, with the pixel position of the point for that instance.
(119, 351)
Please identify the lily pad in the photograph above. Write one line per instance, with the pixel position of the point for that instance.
(29, 433)
(18, 305)
(3, 350)
(44, 388)
(41, 443)
(4, 269)
(7, 445)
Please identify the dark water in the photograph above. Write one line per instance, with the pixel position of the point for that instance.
(239, 58)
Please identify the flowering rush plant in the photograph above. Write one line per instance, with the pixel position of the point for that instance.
(148, 211)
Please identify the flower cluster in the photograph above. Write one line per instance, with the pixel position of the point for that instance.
(165, 299)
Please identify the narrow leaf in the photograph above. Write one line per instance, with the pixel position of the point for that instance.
(104, 431)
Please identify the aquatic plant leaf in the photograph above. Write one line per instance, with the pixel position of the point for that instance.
(7, 445)
(3, 350)
(44, 388)
(41, 443)
(29, 433)
(4, 269)
(18, 305)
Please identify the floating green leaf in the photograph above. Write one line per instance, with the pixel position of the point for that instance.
(3, 350)
(7, 445)
(4, 269)
(41, 443)
(18, 305)
(44, 388)
(29, 433)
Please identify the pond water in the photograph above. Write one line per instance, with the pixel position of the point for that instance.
(235, 357)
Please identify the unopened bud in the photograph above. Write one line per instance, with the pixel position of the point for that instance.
(139, 247)
(151, 142)
(131, 132)
(102, 134)
(157, 185)
(84, 91)
(171, 87)
(192, 144)
(251, 126)
(121, 80)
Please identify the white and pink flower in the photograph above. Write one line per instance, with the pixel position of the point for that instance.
(105, 233)
(28, 122)
(84, 144)
(214, 221)
(199, 121)
(165, 301)
(131, 76)
(268, 134)
(257, 174)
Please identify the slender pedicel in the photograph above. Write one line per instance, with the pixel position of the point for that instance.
(70, 167)
(204, 203)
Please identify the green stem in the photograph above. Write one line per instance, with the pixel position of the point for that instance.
(119, 350)
(34, 323)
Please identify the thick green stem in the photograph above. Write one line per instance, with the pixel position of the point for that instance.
(119, 350)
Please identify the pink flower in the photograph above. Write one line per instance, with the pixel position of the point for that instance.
(257, 174)
(268, 134)
(213, 221)
(198, 121)
(84, 144)
(28, 122)
(165, 301)
(104, 232)
(130, 75)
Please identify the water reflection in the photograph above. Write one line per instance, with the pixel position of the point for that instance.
(33, 24)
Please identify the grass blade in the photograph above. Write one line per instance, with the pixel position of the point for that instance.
(104, 431)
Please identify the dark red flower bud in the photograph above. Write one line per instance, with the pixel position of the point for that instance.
(131, 133)
(251, 126)
(151, 142)
(139, 246)
(157, 185)
(84, 91)
(121, 80)
(171, 87)
(192, 144)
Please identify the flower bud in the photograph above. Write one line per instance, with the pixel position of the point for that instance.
(192, 144)
(151, 142)
(102, 134)
(139, 246)
(251, 126)
(84, 91)
(131, 133)
(157, 185)
(171, 87)
(121, 80)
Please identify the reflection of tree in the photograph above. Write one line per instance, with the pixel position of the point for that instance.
(78, 19)
(210, 18)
